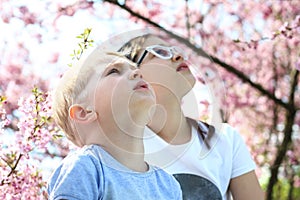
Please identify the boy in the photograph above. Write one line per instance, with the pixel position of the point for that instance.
(103, 106)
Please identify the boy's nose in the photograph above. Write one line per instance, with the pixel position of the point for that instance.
(136, 73)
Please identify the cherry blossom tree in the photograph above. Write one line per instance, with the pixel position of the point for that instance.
(252, 45)
(257, 55)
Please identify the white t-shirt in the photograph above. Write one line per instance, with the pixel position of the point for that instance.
(202, 171)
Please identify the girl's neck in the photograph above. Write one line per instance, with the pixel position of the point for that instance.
(170, 124)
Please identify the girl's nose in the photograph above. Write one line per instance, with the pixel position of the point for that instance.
(136, 73)
(179, 54)
(177, 57)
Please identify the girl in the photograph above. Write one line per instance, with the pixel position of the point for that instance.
(208, 163)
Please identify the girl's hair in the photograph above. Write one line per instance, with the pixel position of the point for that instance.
(131, 48)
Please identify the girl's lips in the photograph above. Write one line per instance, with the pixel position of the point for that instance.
(141, 85)
(182, 66)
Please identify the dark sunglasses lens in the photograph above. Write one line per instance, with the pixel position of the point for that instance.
(162, 52)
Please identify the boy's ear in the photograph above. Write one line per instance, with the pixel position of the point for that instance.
(81, 114)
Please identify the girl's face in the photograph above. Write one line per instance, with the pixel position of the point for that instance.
(167, 76)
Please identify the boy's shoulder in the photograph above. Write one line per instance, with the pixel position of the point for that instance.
(82, 155)
(79, 171)
(83, 159)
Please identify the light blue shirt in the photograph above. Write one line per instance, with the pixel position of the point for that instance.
(91, 174)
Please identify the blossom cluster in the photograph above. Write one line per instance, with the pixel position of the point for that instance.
(20, 176)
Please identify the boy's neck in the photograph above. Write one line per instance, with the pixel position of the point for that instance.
(125, 144)
(132, 158)
(176, 129)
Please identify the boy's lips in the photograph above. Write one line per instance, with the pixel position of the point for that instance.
(182, 66)
(141, 85)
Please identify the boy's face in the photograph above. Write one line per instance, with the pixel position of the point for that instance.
(121, 91)
(166, 74)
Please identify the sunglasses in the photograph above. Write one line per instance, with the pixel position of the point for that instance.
(162, 52)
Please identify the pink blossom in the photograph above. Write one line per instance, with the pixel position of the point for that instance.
(298, 65)
(224, 30)
(297, 182)
(54, 58)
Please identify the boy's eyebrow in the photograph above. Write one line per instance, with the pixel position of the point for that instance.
(120, 63)
(115, 64)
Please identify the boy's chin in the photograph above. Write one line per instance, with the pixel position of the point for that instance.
(142, 113)
(143, 103)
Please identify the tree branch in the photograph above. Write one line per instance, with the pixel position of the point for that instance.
(202, 53)
(12, 168)
(188, 25)
(294, 83)
(287, 140)
(290, 118)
